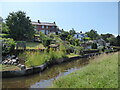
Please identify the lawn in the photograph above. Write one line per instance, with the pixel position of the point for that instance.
(33, 45)
(102, 72)
(8, 67)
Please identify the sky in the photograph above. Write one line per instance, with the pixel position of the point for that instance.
(82, 16)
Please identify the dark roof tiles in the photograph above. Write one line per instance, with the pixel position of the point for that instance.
(44, 23)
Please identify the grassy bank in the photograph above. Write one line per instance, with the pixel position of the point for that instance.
(8, 67)
(72, 55)
(34, 45)
(37, 58)
(102, 72)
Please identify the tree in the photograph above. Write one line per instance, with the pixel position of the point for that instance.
(8, 45)
(71, 39)
(45, 39)
(94, 46)
(118, 40)
(20, 26)
(112, 41)
(5, 28)
(64, 35)
(93, 34)
(106, 36)
(72, 32)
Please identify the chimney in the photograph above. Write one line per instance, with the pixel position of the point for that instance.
(38, 21)
(54, 22)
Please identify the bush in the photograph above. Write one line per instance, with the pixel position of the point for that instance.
(78, 50)
(8, 45)
(94, 46)
(5, 35)
(46, 42)
(45, 39)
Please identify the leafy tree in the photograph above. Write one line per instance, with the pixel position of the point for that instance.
(118, 40)
(45, 39)
(94, 46)
(106, 36)
(112, 41)
(72, 32)
(71, 39)
(93, 34)
(20, 26)
(64, 35)
(77, 42)
(5, 28)
(8, 45)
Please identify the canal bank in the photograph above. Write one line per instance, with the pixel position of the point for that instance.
(38, 69)
(46, 78)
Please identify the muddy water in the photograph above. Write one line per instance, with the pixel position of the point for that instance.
(44, 79)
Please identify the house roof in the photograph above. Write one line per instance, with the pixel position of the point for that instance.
(44, 23)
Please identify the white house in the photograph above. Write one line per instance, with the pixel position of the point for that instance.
(80, 36)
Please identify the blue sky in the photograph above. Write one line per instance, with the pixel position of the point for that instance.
(82, 16)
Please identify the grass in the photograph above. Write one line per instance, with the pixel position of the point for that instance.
(37, 58)
(102, 72)
(33, 45)
(72, 55)
(8, 67)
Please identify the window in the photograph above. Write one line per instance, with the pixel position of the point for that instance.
(47, 27)
(43, 26)
(35, 26)
(53, 27)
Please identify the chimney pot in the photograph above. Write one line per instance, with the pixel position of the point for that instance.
(38, 21)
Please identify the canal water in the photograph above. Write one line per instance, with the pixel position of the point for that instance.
(45, 79)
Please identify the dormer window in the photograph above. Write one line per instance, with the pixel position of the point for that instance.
(53, 27)
(42, 26)
(47, 27)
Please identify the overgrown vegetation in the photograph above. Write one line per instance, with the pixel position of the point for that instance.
(46, 40)
(8, 67)
(94, 46)
(102, 72)
(38, 58)
(8, 45)
(34, 45)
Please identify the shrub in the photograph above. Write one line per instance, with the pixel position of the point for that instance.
(78, 50)
(8, 45)
(5, 35)
(45, 40)
(94, 46)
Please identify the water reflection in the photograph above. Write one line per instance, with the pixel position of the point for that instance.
(44, 79)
